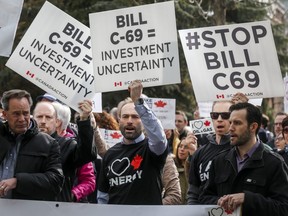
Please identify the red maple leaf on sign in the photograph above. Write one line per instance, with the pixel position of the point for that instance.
(160, 103)
(228, 211)
(207, 123)
(115, 135)
(136, 162)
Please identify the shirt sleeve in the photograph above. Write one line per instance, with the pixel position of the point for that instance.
(156, 137)
(102, 197)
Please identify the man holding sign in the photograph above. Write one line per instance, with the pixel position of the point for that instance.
(131, 170)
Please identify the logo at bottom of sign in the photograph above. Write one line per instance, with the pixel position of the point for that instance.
(219, 211)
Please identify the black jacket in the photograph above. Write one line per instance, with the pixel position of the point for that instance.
(200, 164)
(38, 168)
(263, 179)
(75, 152)
(284, 153)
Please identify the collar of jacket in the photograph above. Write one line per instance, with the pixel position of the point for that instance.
(224, 139)
(6, 137)
(253, 162)
(32, 130)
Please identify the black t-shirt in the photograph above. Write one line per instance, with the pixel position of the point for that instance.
(131, 174)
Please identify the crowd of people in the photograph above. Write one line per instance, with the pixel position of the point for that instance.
(45, 156)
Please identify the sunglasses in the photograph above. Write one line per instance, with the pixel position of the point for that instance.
(285, 130)
(224, 115)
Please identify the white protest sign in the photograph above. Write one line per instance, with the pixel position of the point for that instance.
(224, 60)
(55, 54)
(111, 137)
(46, 208)
(164, 109)
(256, 101)
(218, 211)
(202, 126)
(205, 108)
(285, 80)
(135, 43)
(9, 17)
(97, 103)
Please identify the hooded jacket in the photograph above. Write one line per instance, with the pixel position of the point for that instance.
(200, 165)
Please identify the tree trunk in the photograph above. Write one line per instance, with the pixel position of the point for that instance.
(219, 8)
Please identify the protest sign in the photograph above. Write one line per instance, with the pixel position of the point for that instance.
(224, 60)
(46, 208)
(164, 109)
(204, 109)
(218, 211)
(135, 43)
(55, 54)
(9, 17)
(111, 137)
(202, 126)
(256, 101)
(285, 80)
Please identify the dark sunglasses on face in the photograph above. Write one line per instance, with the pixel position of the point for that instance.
(224, 115)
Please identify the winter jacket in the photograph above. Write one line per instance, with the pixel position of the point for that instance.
(200, 164)
(85, 183)
(75, 153)
(263, 179)
(171, 184)
(38, 168)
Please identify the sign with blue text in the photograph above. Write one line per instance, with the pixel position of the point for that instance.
(135, 43)
(224, 60)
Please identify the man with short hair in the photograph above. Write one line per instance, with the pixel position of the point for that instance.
(74, 152)
(277, 127)
(32, 158)
(131, 170)
(217, 142)
(248, 175)
(181, 123)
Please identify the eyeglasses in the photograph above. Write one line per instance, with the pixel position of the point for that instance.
(224, 115)
(285, 130)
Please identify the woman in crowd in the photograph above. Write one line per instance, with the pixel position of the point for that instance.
(186, 147)
(172, 139)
